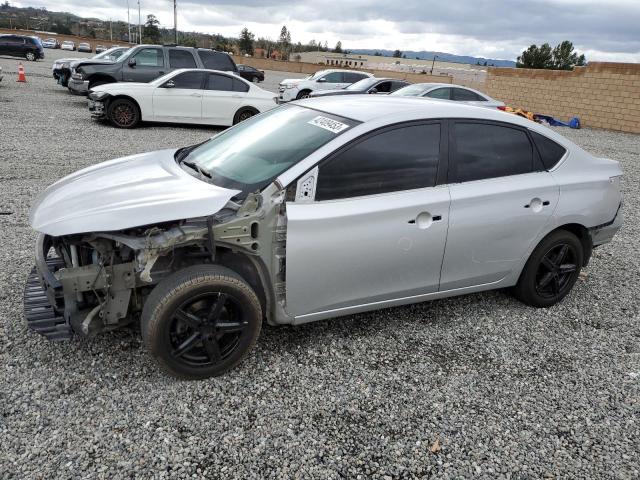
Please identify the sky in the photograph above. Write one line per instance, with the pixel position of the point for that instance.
(605, 30)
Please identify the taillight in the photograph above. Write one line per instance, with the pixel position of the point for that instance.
(503, 108)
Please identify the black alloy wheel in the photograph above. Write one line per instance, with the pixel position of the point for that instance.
(124, 113)
(556, 271)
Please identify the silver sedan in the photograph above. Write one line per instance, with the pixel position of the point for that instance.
(316, 209)
(447, 91)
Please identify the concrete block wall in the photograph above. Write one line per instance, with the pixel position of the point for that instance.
(602, 94)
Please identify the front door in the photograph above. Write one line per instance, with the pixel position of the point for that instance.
(376, 226)
(179, 98)
(149, 64)
(501, 201)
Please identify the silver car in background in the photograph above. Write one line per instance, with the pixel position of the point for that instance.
(317, 209)
(447, 91)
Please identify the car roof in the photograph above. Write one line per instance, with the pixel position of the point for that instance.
(365, 108)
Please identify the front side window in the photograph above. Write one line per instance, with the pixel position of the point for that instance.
(251, 154)
(384, 87)
(403, 158)
(149, 57)
(188, 80)
(362, 85)
(464, 95)
(488, 151)
(441, 93)
(181, 59)
(333, 77)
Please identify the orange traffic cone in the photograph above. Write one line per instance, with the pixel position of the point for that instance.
(21, 75)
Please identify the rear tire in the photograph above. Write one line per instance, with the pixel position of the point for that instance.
(255, 79)
(31, 56)
(244, 114)
(123, 113)
(201, 321)
(551, 271)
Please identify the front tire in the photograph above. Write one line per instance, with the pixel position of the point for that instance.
(303, 94)
(255, 79)
(201, 322)
(124, 113)
(551, 271)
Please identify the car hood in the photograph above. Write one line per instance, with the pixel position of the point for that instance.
(127, 192)
(118, 87)
(99, 61)
(292, 81)
(65, 60)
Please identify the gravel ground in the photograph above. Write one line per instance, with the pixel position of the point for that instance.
(473, 386)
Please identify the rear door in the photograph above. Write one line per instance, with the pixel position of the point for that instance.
(179, 99)
(332, 80)
(375, 230)
(222, 97)
(149, 64)
(501, 200)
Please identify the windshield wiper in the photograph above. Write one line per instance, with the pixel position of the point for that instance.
(194, 166)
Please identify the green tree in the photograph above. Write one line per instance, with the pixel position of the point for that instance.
(151, 32)
(5, 6)
(246, 41)
(397, 54)
(284, 42)
(190, 42)
(534, 57)
(565, 58)
(338, 48)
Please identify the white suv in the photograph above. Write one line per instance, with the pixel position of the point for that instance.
(297, 88)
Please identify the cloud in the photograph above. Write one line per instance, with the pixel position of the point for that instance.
(605, 30)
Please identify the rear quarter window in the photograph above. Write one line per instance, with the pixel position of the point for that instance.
(216, 61)
(550, 152)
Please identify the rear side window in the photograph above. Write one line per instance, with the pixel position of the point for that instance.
(240, 86)
(352, 77)
(441, 93)
(188, 80)
(550, 152)
(181, 59)
(383, 87)
(462, 95)
(220, 83)
(216, 61)
(404, 158)
(489, 151)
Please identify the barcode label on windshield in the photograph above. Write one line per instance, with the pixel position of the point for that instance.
(329, 124)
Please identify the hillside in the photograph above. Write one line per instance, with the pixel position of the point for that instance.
(442, 57)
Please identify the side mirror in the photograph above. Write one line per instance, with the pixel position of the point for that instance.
(373, 90)
(322, 80)
(132, 62)
(169, 84)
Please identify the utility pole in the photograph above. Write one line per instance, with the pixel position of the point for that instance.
(139, 24)
(128, 22)
(175, 20)
(433, 63)
(111, 30)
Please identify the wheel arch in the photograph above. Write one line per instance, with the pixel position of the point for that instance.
(242, 109)
(583, 235)
(122, 96)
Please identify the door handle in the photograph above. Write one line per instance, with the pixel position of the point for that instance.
(424, 220)
(196, 95)
(536, 204)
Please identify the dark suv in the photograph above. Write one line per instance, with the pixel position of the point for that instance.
(21, 46)
(145, 63)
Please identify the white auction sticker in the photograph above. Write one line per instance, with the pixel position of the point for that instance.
(329, 124)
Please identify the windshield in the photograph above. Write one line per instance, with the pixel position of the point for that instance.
(252, 154)
(411, 91)
(363, 84)
(316, 75)
(111, 54)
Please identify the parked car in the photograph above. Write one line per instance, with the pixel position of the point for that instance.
(21, 46)
(144, 63)
(85, 47)
(249, 73)
(297, 88)
(447, 91)
(313, 210)
(371, 85)
(62, 68)
(68, 45)
(101, 48)
(182, 96)
(51, 43)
